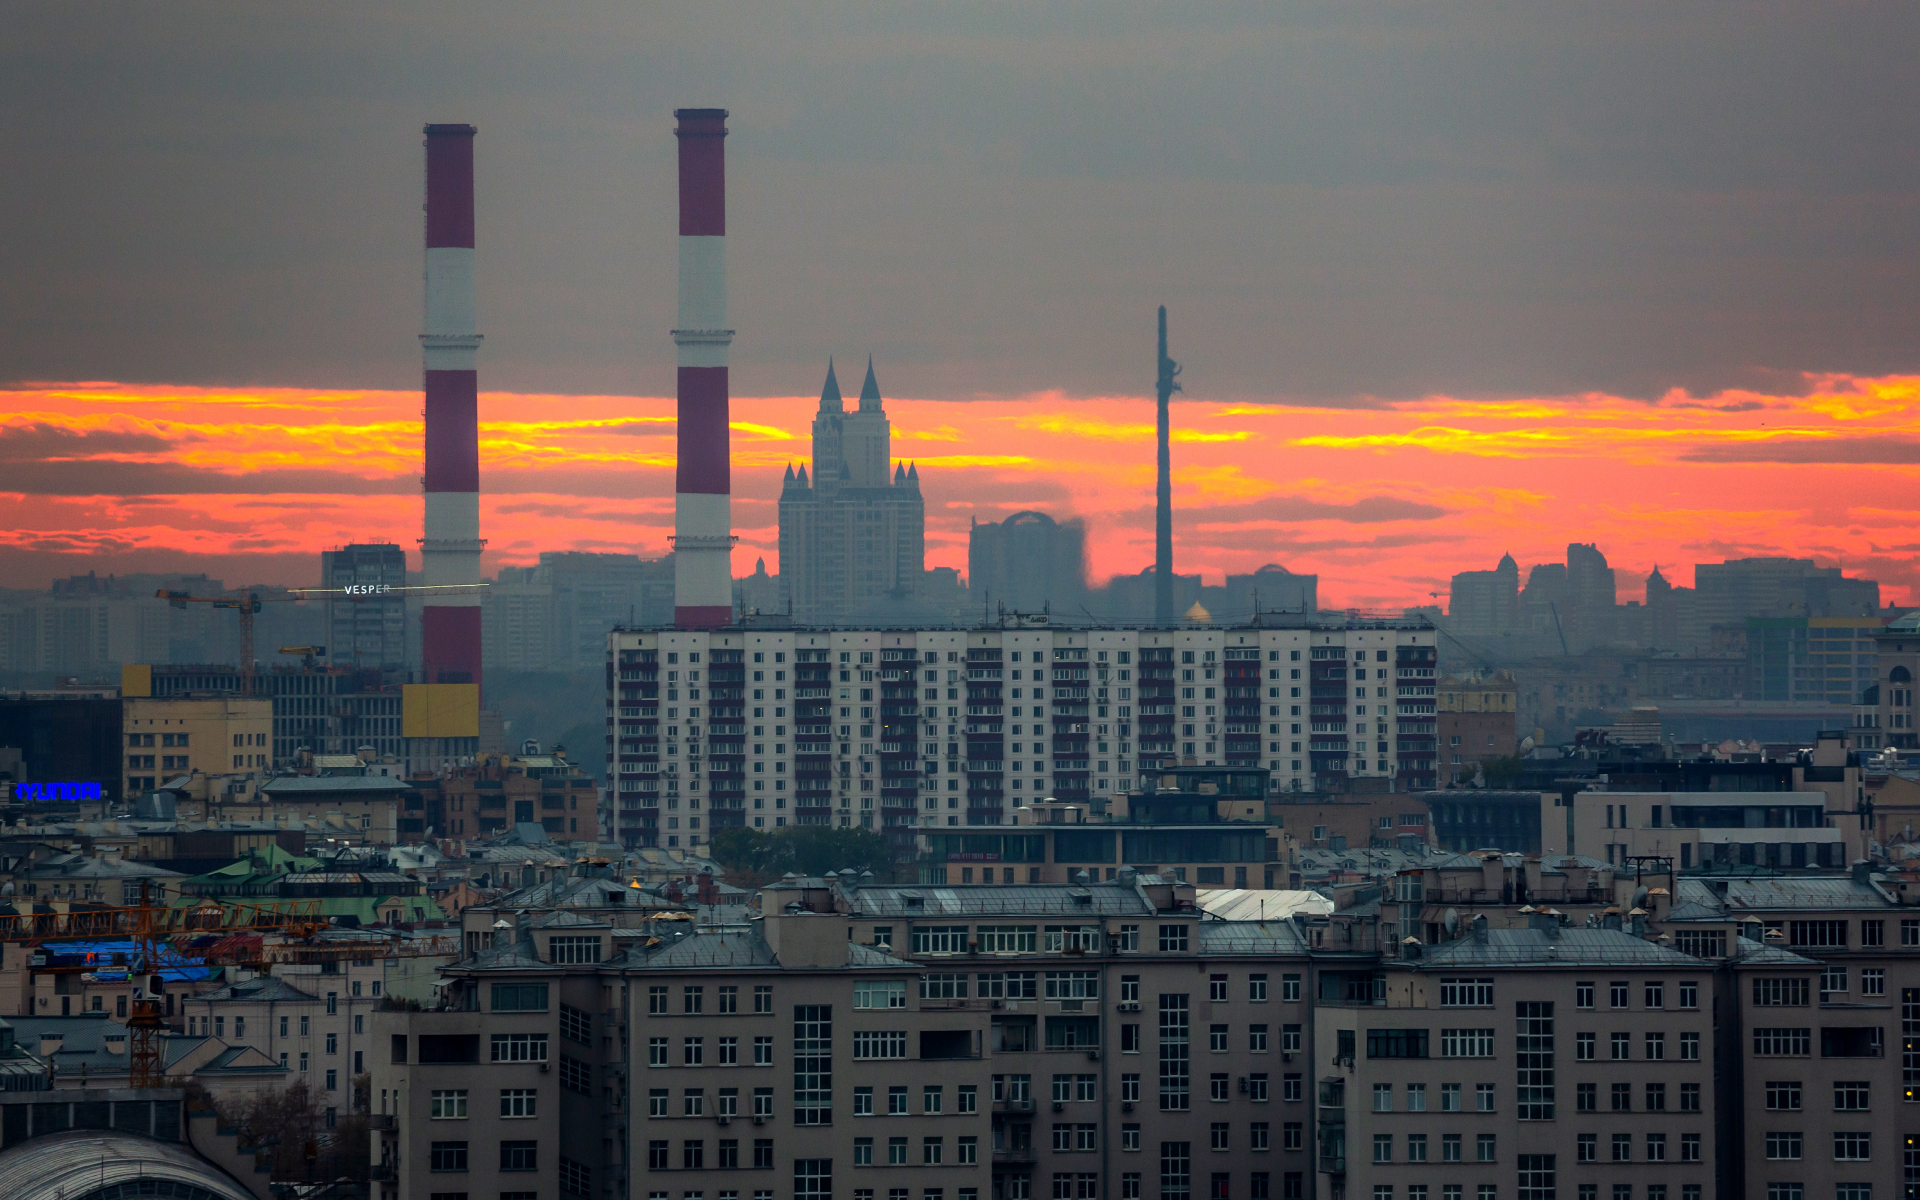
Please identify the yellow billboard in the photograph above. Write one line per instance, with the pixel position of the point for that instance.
(440, 710)
(136, 679)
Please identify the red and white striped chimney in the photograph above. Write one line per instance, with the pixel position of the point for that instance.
(702, 502)
(450, 551)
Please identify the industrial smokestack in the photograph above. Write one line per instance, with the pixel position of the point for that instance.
(702, 502)
(450, 551)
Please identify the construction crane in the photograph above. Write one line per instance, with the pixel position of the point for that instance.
(248, 606)
(155, 928)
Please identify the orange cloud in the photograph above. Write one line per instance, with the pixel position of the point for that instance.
(1441, 483)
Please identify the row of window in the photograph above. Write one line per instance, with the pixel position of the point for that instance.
(693, 999)
(1653, 1046)
(1585, 1191)
(693, 1156)
(1587, 1097)
(1654, 1148)
(1452, 1148)
(693, 1102)
(450, 1104)
(1851, 1095)
(693, 1051)
(1415, 1097)
(1032, 939)
(1847, 1147)
(933, 1151)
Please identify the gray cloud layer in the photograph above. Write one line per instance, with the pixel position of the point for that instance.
(1335, 199)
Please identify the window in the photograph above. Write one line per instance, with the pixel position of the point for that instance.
(729, 998)
(1293, 1088)
(1852, 1147)
(656, 1102)
(1783, 1096)
(763, 998)
(1690, 1097)
(1583, 1047)
(517, 1102)
(879, 1044)
(576, 1179)
(1783, 1147)
(939, 939)
(1587, 1148)
(1173, 938)
(1073, 985)
(1622, 1147)
(1466, 1043)
(1689, 994)
(1416, 1147)
(968, 1098)
(1383, 1147)
(1656, 1046)
(1290, 989)
(1534, 1060)
(1217, 1038)
(1583, 995)
(693, 1051)
(1176, 1167)
(657, 1000)
(519, 997)
(449, 1105)
(1689, 1047)
(1450, 1147)
(1416, 1097)
(1654, 993)
(1257, 1087)
(575, 949)
(447, 1156)
(1483, 1097)
(1174, 1077)
(1777, 993)
(693, 1102)
(1621, 1046)
(931, 1151)
(932, 1098)
(944, 986)
(656, 1052)
(1873, 981)
(896, 1101)
(1656, 1147)
(812, 1072)
(1291, 1037)
(1383, 1097)
(1293, 1136)
(880, 993)
(812, 1177)
(576, 1024)
(519, 1047)
(966, 1151)
(1618, 994)
(1586, 1097)
(763, 1051)
(1257, 989)
(1690, 1147)
(1623, 1097)
(1466, 993)
(1399, 1043)
(1850, 1096)
(863, 1152)
(1484, 1148)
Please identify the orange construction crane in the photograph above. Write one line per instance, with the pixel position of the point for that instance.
(153, 928)
(248, 606)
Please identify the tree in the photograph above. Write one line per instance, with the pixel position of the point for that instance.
(758, 857)
(300, 1144)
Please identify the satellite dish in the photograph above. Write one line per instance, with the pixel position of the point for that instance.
(1526, 743)
(1639, 897)
(1451, 921)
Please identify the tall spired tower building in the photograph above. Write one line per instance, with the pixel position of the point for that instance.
(851, 538)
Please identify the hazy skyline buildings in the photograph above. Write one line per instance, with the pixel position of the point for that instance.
(851, 537)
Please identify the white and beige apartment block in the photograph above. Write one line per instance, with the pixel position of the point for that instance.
(905, 730)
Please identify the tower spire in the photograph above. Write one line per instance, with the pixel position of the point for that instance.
(870, 390)
(830, 394)
(1167, 372)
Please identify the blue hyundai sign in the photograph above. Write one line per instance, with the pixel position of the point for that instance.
(58, 791)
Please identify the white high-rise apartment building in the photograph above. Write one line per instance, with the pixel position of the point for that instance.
(906, 730)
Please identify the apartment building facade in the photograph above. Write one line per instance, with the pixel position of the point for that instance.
(902, 731)
(1097, 1041)
(174, 736)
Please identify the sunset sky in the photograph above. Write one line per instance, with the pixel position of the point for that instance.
(1448, 280)
(1383, 501)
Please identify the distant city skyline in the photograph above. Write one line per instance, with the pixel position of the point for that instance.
(1384, 503)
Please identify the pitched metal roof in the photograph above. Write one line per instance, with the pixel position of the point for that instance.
(1019, 900)
(1253, 904)
(1761, 893)
(1573, 947)
(1250, 937)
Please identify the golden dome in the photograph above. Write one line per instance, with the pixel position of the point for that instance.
(1196, 613)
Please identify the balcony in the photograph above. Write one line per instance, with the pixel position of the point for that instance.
(1013, 1154)
(381, 1121)
(1014, 1106)
(384, 1172)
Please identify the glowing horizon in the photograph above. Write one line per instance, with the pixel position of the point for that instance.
(1384, 500)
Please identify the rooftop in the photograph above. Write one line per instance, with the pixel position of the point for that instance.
(1571, 947)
